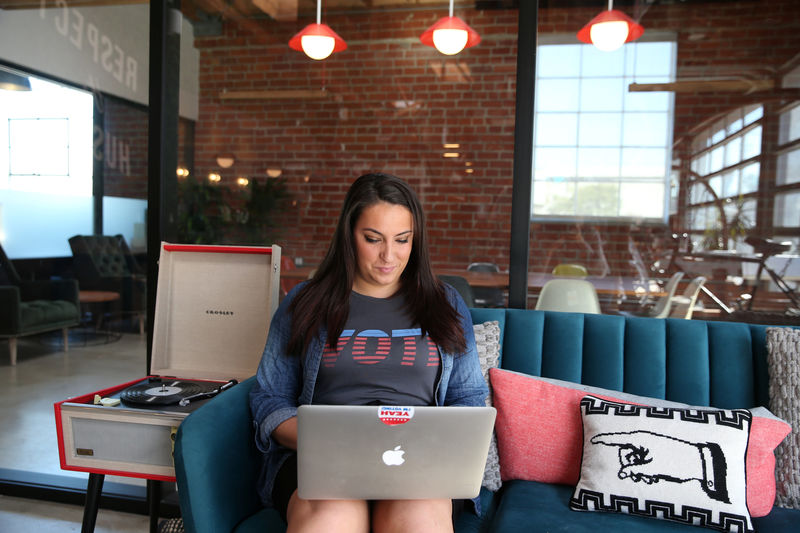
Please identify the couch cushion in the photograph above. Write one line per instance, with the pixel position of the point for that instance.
(682, 465)
(528, 506)
(540, 434)
(42, 312)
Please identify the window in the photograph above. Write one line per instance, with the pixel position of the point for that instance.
(726, 168)
(47, 132)
(787, 198)
(599, 149)
(30, 138)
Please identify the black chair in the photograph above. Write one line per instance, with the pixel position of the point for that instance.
(487, 296)
(462, 286)
(31, 307)
(105, 263)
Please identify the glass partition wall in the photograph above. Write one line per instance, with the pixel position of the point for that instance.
(671, 156)
(73, 163)
(676, 153)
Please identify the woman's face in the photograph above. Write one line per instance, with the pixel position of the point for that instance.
(383, 236)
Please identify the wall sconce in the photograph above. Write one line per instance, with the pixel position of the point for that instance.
(451, 154)
(274, 172)
(214, 177)
(318, 41)
(610, 29)
(11, 81)
(182, 172)
(241, 181)
(451, 145)
(225, 161)
(450, 35)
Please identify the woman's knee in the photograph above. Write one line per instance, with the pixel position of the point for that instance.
(327, 515)
(423, 516)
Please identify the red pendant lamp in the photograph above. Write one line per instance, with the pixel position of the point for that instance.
(317, 41)
(610, 29)
(450, 35)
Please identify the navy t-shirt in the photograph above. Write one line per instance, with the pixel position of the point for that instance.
(381, 358)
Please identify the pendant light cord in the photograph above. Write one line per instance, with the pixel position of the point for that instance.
(319, 11)
(451, 8)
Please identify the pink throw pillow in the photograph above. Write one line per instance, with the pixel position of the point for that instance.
(540, 434)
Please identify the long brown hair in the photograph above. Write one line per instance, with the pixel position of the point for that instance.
(325, 299)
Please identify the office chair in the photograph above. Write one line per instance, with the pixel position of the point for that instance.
(105, 263)
(487, 296)
(570, 270)
(568, 295)
(686, 302)
(462, 286)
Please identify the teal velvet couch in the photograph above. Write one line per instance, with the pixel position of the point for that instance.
(720, 364)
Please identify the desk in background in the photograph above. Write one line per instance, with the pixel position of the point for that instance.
(606, 286)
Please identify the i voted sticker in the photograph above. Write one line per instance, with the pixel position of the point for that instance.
(392, 416)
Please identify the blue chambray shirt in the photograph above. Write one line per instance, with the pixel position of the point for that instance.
(285, 381)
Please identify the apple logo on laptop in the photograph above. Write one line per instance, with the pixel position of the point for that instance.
(393, 457)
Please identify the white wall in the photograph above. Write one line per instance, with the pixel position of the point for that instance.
(100, 48)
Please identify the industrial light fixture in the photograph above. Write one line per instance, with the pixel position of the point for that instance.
(225, 160)
(274, 172)
(318, 41)
(610, 29)
(11, 81)
(241, 181)
(182, 172)
(214, 177)
(450, 35)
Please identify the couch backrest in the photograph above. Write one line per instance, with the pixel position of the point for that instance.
(721, 364)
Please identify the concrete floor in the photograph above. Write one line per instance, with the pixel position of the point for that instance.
(20, 514)
(43, 375)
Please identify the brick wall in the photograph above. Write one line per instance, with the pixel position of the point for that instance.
(393, 102)
(123, 149)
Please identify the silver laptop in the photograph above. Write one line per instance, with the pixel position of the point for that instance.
(386, 452)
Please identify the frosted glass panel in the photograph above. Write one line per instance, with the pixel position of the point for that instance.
(598, 94)
(787, 209)
(644, 162)
(557, 95)
(653, 59)
(38, 224)
(645, 129)
(559, 162)
(126, 216)
(602, 64)
(558, 61)
(789, 167)
(640, 199)
(556, 129)
(600, 129)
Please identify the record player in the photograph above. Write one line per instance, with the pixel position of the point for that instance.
(213, 309)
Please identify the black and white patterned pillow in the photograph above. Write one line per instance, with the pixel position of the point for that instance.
(684, 465)
(487, 341)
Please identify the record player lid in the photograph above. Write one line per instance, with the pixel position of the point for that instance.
(213, 309)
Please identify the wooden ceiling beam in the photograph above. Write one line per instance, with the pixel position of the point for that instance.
(283, 10)
(702, 86)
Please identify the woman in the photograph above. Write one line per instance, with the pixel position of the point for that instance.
(376, 275)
